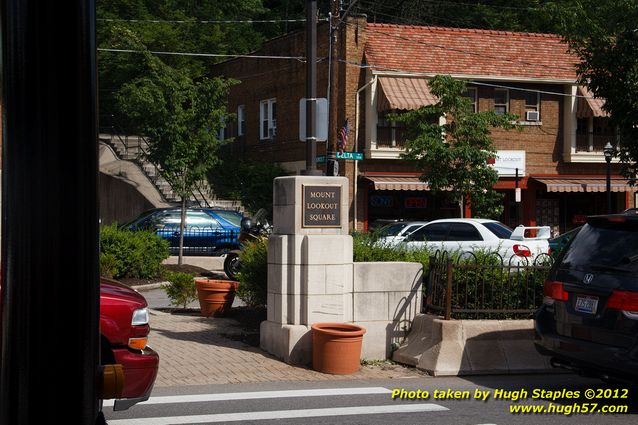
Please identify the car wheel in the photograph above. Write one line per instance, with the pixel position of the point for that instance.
(232, 265)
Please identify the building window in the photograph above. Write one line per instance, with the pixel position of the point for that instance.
(532, 105)
(390, 133)
(471, 94)
(268, 119)
(241, 120)
(501, 101)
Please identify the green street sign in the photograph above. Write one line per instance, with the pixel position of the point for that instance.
(321, 159)
(352, 156)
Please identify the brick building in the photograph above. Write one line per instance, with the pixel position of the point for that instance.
(384, 68)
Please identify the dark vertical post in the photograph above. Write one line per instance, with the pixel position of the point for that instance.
(50, 271)
(609, 152)
(331, 157)
(518, 204)
(448, 290)
(311, 89)
(609, 207)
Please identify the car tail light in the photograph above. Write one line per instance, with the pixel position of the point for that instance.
(625, 301)
(522, 251)
(554, 291)
(137, 343)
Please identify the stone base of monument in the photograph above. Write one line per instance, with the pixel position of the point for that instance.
(290, 343)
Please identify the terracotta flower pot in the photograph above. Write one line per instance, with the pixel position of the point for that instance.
(336, 347)
(215, 296)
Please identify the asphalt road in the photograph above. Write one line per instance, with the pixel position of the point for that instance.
(371, 403)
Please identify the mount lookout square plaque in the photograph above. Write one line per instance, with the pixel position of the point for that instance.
(321, 206)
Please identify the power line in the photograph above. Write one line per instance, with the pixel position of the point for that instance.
(206, 55)
(227, 21)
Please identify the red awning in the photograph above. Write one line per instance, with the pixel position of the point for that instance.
(404, 93)
(585, 185)
(589, 106)
(398, 183)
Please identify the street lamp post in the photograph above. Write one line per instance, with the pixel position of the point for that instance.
(609, 152)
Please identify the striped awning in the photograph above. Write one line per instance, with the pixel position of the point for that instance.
(589, 106)
(398, 183)
(404, 93)
(585, 185)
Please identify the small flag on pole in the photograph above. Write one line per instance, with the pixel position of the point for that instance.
(342, 139)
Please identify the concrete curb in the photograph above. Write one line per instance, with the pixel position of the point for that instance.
(471, 347)
(149, 287)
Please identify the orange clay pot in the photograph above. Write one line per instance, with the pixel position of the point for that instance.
(215, 296)
(336, 348)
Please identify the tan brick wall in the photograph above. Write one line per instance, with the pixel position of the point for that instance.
(283, 79)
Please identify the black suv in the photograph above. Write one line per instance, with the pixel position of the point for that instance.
(589, 318)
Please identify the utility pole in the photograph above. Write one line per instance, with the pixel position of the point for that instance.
(332, 166)
(311, 89)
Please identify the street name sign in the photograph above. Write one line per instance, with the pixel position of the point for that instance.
(352, 156)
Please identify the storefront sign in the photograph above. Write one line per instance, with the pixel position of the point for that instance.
(415, 203)
(579, 219)
(507, 162)
(321, 206)
(380, 201)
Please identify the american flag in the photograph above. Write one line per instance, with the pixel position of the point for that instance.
(343, 136)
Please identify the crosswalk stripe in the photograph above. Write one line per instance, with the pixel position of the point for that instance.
(196, 398)
(282, 414)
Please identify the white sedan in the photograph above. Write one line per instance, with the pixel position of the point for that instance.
(518, 246)
(394, 233)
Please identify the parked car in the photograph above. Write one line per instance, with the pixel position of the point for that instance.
(589, 318)
(208, 231)
(393, 233)
(124, 329)
(631, 211)
(557, 244)
(514, 246)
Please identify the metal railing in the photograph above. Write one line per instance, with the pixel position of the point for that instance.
(594, 142)
(199, 240)
(469, 286)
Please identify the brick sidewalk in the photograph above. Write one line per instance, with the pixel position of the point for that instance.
(196, 351)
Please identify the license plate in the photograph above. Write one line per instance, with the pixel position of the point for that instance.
(586, 304)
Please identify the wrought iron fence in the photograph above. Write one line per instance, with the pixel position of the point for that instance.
(484, 286)
(199, 240)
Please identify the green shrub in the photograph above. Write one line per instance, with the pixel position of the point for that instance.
(131, 254)
(365, 248)
(253, 275)
(181, 289)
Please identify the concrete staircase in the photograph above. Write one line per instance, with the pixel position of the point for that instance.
(132, 148)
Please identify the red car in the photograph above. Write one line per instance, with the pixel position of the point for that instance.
(124, 332)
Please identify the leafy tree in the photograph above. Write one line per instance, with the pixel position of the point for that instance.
(154, 24)
(512, 15)
(245, 180)
(181, 118)
(454, 156)
(605, 37)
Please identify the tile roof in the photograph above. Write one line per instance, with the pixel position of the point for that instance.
(439, 50)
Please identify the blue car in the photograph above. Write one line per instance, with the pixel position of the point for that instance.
(207, 231)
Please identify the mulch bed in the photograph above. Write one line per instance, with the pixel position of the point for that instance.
(184, 268)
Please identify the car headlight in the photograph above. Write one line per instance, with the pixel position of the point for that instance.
(140, 317)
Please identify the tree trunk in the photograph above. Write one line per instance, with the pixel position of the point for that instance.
(182, 227)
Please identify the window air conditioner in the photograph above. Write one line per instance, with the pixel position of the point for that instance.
(532, 116)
